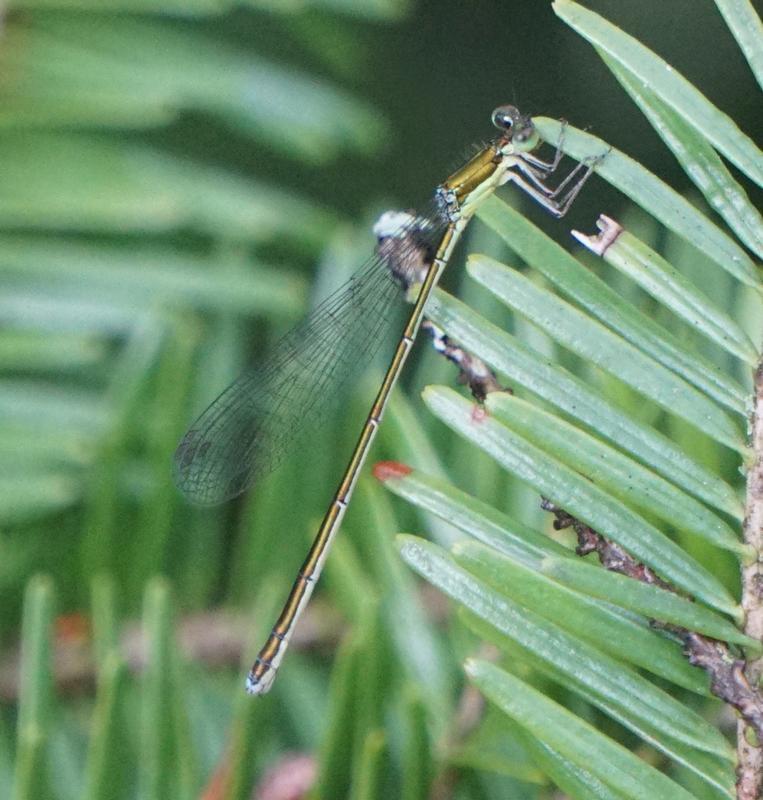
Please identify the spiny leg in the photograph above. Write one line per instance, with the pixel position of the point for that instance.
(545, 195)
(539, 181)
(556, 207)
(535, 177)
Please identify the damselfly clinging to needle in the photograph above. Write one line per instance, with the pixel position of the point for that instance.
(252, 425)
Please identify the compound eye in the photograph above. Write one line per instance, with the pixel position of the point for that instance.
(505, 116)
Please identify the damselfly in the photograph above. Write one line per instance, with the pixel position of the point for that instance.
(257, 420)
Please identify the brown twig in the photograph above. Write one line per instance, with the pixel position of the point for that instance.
(472, 371)
(749, 751)
(729, 676)
(611, 555)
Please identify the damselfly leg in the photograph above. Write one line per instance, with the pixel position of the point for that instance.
(550, 198)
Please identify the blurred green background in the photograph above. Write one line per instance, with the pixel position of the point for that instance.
(176, 179)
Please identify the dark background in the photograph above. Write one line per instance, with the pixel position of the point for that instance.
(437, 74)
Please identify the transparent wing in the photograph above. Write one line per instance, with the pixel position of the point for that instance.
(250, 428)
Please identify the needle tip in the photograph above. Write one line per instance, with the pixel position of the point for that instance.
(385, 470)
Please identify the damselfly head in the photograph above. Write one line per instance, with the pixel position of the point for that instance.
(518, 129)
(505, 117)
